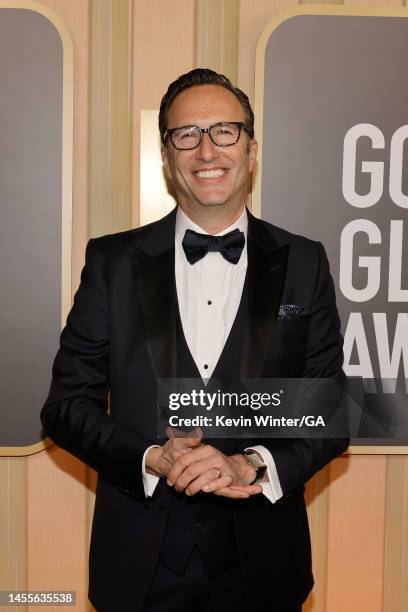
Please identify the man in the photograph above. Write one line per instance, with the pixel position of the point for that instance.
(195, 524)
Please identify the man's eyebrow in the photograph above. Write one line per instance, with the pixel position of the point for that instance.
(178, 127)
(185, 126)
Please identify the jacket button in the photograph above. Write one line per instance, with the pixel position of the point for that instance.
(163, 512)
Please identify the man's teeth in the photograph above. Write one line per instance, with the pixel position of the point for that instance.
(210, 173)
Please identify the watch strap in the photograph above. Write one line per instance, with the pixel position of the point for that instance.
(255, 460)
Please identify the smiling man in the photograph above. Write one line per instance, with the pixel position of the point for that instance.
(209, 291)
(210, 179)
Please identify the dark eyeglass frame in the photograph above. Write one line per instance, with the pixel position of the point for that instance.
(241, 126)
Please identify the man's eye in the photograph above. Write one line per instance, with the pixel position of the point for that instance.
(187, 135)
(223, 131)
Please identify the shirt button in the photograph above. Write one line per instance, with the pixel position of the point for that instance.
(199, 526)
(209, 302)
(205, 366)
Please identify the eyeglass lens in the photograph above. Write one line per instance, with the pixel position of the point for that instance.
(222, 134)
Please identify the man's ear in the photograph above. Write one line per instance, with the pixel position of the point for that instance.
(253, 152)
(164, 153)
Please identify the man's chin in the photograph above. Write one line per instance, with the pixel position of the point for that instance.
(213, 201)
(212, 204)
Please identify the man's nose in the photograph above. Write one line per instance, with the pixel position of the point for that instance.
(207, 150)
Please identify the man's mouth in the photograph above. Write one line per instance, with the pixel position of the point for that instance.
(210, 174)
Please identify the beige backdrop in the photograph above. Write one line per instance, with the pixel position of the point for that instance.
(125, 54)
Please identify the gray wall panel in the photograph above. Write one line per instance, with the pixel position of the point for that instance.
(324, 74)
(31, 70)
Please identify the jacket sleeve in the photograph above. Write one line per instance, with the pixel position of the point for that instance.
(299, 459)
(75, 415)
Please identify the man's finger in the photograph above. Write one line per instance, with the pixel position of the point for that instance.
(200, 483)
(193, 471)
(183, 440)
(217, 483)
(194, 455)
(235, 492)
(249, 489)
(186, 443)
(173, 432)
(231, 493)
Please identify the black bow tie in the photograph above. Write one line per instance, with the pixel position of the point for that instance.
(196, 246)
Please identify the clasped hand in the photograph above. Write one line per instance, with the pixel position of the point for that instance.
(192, 466)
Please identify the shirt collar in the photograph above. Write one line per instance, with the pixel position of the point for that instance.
(184, 223)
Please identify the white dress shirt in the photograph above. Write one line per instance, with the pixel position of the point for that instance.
(209, 293)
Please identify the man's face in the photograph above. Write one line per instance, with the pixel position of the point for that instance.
(209, 175)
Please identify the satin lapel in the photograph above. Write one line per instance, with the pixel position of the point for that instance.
(266, 276)
(153, 265)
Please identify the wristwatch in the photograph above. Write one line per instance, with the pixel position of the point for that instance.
(255, 460)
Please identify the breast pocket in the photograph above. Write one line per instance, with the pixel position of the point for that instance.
(286, 356)
(297, 325)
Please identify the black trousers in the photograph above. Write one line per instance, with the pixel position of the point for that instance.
(193, 592)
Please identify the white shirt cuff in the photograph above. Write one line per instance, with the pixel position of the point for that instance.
(149, 480)
(272, 489)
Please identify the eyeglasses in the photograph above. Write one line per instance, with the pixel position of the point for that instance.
(222, 134)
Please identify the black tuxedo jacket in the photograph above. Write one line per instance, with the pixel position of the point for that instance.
(121, 335)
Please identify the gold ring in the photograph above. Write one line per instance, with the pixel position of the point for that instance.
(219, 471)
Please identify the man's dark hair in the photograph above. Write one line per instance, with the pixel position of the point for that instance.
(202, 76)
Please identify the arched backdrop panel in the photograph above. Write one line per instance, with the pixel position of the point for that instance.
(331, 102)
(35, 205)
